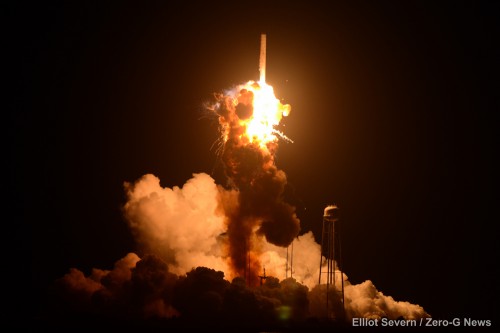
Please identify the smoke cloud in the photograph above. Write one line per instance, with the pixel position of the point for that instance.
(138, 289)
(210, 255)
(184, 226)
(364, 300)
(261, 209)
(187, 275)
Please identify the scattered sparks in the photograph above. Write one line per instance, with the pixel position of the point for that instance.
(260, 114)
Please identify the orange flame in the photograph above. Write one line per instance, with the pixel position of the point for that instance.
(267, 112)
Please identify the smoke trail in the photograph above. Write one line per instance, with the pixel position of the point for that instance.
(262, 210)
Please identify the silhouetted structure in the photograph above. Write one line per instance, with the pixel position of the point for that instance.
(289, 267)
(331, 250)
(263, 277)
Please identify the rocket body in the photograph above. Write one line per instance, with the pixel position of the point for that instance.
(262, 63)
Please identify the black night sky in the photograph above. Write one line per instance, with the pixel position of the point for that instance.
(392, 120)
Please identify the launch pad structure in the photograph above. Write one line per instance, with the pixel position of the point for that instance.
(331, 250)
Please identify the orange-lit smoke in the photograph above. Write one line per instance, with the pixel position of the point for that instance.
(233, 231)
(181, 225)
(248, 116)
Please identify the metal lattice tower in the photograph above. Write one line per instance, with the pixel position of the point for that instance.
(331, 250)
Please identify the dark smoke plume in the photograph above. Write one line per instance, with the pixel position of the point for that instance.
(145, 292)
(261, 185)
(202, 234)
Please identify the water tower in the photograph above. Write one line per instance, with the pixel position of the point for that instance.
(332, 274)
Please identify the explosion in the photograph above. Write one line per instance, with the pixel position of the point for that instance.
(258, 112)
(248, 115)
(250, 213)
(195, 237)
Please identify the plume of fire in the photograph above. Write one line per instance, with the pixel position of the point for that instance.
(248, 117)
(257, 113)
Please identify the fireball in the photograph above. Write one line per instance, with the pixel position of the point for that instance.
(266, 113)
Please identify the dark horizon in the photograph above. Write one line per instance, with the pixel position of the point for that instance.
(392, 120)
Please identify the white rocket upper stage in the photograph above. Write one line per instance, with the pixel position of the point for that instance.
(262, 63)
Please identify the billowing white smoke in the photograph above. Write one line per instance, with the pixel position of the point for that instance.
(185, 226)
(179, 224)
(364, 300)
(305, 264)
